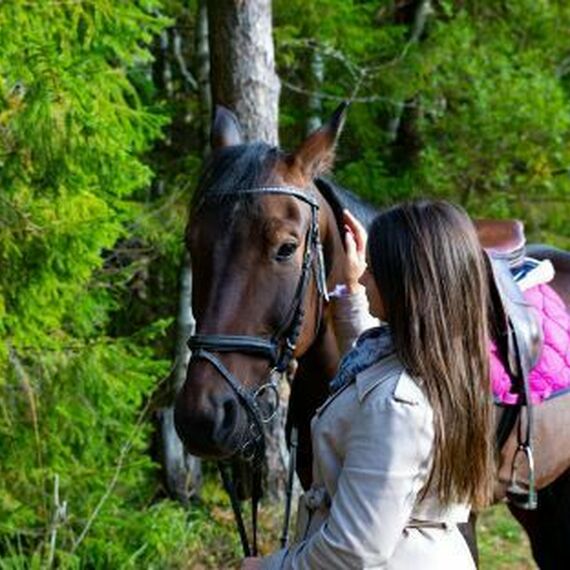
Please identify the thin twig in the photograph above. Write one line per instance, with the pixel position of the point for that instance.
(330, 97)
(185, 72)
(120, 462)
(59, 516)
(325, 49)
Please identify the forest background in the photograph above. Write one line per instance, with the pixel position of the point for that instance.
(103, 127)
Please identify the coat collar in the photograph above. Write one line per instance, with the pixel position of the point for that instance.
(388, 368)
(376, 374)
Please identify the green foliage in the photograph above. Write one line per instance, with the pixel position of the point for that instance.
(76, 415)
(501, 134)
(75, 121)
(472, 105)
(72, 128)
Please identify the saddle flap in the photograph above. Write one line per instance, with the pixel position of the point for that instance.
(515, 326)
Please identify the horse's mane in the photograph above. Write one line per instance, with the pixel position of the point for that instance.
(231, 170)
(340, 198)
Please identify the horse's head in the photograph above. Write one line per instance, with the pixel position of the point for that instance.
(256, 226)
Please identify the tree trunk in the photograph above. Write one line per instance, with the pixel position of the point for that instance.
(403, 130)
(243, 79)
(203, 67)
(182, 471)
(243, 65)
(315, 81)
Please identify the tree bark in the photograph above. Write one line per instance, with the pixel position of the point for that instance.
(183, 471)
(203, 67)
(315, 103)
(243, 65)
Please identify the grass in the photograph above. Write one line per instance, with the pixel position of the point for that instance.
(502, 543)
(210, 540)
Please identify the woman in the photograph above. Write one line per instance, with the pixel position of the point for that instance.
(403, 448)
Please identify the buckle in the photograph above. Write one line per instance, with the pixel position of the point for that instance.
(267, 400)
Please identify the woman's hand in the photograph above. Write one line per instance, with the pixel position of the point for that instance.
(251, 563)
(355, 248)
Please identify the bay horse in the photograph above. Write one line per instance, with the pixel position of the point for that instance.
(263, 233)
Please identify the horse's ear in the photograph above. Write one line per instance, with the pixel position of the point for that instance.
(225, 129)
(316, 153)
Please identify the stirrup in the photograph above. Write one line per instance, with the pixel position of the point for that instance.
(520, 493)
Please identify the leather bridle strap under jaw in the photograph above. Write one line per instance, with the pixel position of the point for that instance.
(278, 351)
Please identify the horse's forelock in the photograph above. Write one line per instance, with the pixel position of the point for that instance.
(232, 170)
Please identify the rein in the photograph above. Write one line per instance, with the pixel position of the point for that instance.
(278, 350)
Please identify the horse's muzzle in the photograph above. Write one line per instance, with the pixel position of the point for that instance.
(209, 425)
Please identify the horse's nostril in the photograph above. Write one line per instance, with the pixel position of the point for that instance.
(229, 418)
(209, 428)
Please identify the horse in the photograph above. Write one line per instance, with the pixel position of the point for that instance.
(266, 241)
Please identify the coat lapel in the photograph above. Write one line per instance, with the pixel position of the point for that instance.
(367, 380)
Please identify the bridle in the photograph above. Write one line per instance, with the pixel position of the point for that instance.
(278, 350)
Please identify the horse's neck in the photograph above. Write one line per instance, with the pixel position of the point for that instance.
(340, 198)
(319, 362)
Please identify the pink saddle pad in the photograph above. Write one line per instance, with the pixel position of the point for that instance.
(552, 372)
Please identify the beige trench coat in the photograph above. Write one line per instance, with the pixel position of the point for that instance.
(373, 444)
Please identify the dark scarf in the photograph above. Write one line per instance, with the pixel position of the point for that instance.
(371, 346)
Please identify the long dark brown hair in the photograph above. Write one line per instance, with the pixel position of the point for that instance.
(430, 272)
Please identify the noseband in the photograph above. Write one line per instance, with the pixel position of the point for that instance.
(278, 349)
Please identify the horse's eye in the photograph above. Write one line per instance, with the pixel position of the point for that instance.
(286, 251)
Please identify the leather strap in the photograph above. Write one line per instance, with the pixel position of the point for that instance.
(289, 489)
(234, 343)
(279, 350)
(236, 507)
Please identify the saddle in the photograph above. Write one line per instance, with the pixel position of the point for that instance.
(502, 239)
(518, 336)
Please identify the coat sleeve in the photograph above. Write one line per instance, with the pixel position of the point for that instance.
(386, 465)
(351, 317)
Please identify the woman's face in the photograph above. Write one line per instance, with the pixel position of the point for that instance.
(376, 305)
